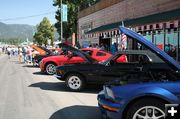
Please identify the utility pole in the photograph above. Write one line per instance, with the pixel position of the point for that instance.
(61, 23)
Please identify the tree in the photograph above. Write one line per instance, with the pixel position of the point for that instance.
(45, 32)
(73, 9)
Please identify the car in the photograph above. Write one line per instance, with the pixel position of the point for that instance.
(142, 94)
(77, 76)
(48, 64)
(49, 52)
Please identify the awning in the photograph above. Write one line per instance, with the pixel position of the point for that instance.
(165, 16)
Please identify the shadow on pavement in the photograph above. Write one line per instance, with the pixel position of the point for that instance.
(77, 112)
(29, 65)
(40, 73)
(61, 86)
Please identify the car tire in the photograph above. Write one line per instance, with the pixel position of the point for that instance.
(146, 109)
(50, 68)
(75, 82)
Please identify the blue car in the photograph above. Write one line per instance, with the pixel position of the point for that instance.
(144, 97)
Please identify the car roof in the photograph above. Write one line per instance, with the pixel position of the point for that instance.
(139, 38)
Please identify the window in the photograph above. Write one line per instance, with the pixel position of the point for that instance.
(100, 54)
(89, 52)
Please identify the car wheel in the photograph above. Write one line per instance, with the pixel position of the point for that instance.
(50, 68)
(146, 109)
(75, 82)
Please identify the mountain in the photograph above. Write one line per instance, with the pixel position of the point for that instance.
(20, 31)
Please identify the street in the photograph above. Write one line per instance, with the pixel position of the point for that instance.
(25, 93)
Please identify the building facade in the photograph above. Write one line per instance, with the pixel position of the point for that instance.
(157, 20)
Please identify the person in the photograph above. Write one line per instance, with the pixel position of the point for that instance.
(9, 52)
(0, 50)
(20, 54)
(29, 53)
(167, 49)
(102, 46)
(114, 48)
(96, 46)
(24, 54)
(173, 52)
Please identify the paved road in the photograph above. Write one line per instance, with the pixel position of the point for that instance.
(25, 93)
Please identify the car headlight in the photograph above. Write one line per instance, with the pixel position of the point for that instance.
(109, 93)
(41, 62)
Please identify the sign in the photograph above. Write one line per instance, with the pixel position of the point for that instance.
(64, 12)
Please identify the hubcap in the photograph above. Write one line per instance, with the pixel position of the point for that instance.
(74, 82)
(149, 112)
(51, 69)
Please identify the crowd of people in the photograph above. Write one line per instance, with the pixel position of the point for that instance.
(25, 53)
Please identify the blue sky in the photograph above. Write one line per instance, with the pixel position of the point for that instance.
(12, 10)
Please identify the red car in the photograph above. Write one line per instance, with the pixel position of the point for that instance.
(48, 65)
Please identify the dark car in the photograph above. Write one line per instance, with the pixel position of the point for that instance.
(77, 76)
(143, 94)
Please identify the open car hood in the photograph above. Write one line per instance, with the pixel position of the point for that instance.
(78, 52)
(165, 57)
(41, 50)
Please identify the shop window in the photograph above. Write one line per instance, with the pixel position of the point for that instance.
(157, 26)
(164, 25)
(145, 27)
(171, 26)
(151, 27)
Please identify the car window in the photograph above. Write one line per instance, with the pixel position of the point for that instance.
(130, 58)
(89, 52)
(100, 54)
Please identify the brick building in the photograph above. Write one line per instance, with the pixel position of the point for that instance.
(157, 20)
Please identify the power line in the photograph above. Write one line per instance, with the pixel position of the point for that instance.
(26, 17)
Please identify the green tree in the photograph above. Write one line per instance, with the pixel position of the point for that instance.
(73, 8)
(45, 32)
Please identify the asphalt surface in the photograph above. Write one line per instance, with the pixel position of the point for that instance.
(25, 93)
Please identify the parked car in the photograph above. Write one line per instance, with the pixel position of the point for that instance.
(76, 76)
(142, 94)
(48, 65)
(49, 52)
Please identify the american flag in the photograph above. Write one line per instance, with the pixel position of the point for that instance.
(123, 41)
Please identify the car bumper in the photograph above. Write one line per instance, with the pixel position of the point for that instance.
(108, 108)
(42, 68)
(57, 76)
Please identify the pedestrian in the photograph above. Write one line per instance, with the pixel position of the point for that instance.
(0, 50)
(9, 52)
(173, 52)
(20, 54)
(29, 54)
(102, 46)
(114, 48)
(24, 49)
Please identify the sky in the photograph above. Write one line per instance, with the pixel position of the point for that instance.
(29, 12)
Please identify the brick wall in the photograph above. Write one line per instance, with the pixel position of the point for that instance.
(118, 10)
